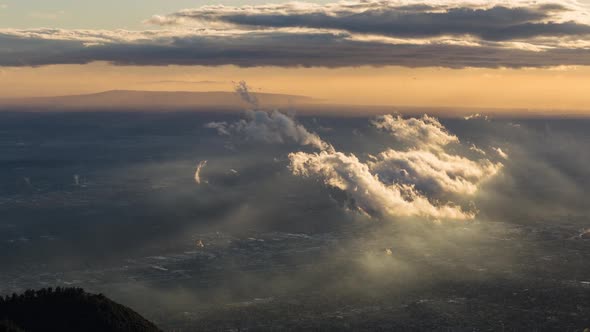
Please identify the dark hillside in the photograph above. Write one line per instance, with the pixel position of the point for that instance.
(67, 309)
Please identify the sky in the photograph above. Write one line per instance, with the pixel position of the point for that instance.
(501, 54)
(107, 14)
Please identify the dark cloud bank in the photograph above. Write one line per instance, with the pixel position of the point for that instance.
(493, 22)
(374, 33)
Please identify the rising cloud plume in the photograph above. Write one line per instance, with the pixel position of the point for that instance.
(269, 127)
(353, 33)
(243, 90)
(266, 126)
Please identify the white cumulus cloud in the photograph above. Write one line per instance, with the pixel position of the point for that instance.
(424, 132)
(370, 194)
(410, 182)
(434, 173)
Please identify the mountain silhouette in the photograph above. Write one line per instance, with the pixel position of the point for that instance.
(67, 309)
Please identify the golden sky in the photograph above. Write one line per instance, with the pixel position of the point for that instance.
(430, 53)
(563, 88)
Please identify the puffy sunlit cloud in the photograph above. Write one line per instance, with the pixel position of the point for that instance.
(395, 183)
(501, 153)
(476, 116)
(407, 182)
(370, 194)
(434, 173)
(426, 164)
(411, 182)
(424, 132)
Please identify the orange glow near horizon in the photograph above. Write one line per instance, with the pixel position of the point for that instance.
(551, 88)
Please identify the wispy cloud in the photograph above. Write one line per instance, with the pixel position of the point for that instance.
(200, 167)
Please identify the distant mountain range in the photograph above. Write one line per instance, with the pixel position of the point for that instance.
(227, 101)
(149, 100)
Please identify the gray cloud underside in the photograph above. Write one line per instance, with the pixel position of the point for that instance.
(285, 49)
(494, 24)
(408, 33)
